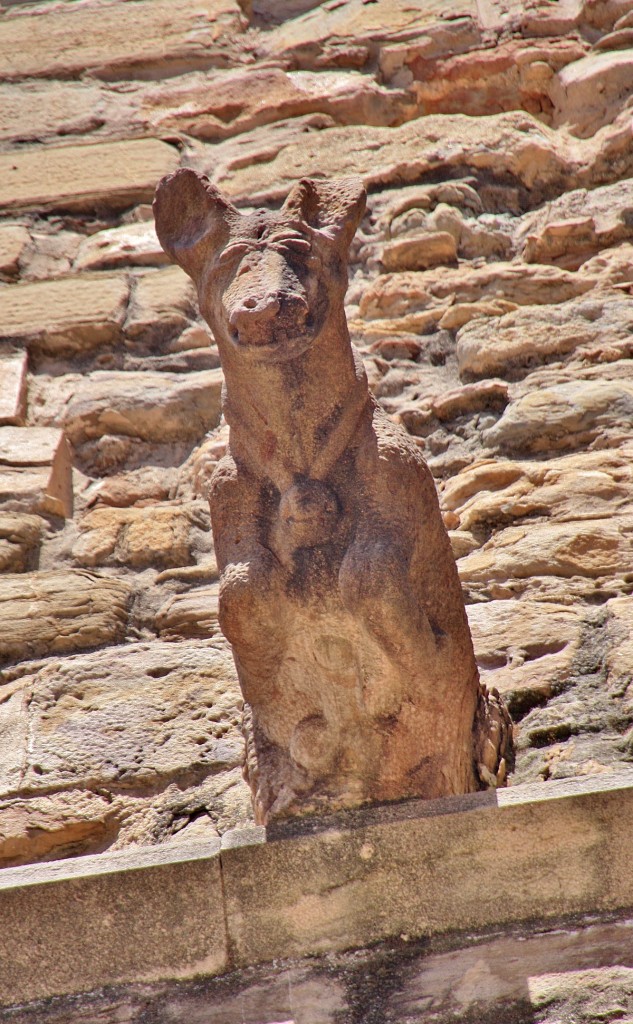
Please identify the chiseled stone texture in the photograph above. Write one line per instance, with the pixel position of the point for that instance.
(68, 315)
(109, 174)
(12, 387)
(158, 535)
(145, 712)
(114, 41)
(60, 611)
(35, 470)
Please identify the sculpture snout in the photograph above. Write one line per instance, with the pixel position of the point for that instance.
(254, 311)
(255, 319)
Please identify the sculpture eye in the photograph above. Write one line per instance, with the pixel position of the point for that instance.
(233, 252)
(294, 245)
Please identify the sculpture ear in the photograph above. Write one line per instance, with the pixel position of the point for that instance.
(332, 207)
(193, 219)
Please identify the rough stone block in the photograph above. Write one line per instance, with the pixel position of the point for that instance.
(155, 535)
(13, 241)
(14, 738)
(591, 548)
(13, 367)
(33, 110)
(35, 470)
(231, 103)
(591, 92)
(536, 334)
(349, 32)
(564, 416)
(420, 252)
(398, 294)
(585, 485)
(162, 305)
(191, 615)
(155, 407)
(525, 648)
(20, 537)
(140, 713)
(117, 41)
(134, 244)
(59, 612)
(111, 175)
(70, 315)
(513, 142)
(54, 825)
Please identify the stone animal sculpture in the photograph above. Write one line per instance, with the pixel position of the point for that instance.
(339, 592)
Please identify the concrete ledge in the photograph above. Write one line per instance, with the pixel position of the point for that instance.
(412, 869)
(75, 925)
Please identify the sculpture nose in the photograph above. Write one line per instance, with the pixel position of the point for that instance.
(252, 312)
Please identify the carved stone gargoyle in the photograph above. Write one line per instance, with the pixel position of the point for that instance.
(339, 592)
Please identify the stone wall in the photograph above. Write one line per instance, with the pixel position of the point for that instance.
(490, 295)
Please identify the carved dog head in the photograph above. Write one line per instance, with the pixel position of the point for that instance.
(266, 281)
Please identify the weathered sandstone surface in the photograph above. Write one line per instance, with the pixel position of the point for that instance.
(490, 298)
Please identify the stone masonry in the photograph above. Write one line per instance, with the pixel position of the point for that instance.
(490, 301)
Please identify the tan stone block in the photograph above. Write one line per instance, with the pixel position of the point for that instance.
(155, 407)
(114, 40)
(31, 111)
(613, 266)
(587, 485)
(461, 313)
(577, 225)
(525, 648)
(513, 143)
(13, 367)
(59, 612)
(535, 334)
(155, 535)
(232, 102)
(414, 870)
(620, 654)
(193, 615)
(340, 31)
(400, 294)
(162, 303)
(564, 416)
(14, 737)
(592, 91)
(20, 537)
(13, 241)
(489, 394)
(69, 315)
(35, 470)
(420, 252)
(110, 175)
(130, 244)
(424, 869)
(56, 825)
(143, 486)
(512, 75)
(138, 713)
(591, 548)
